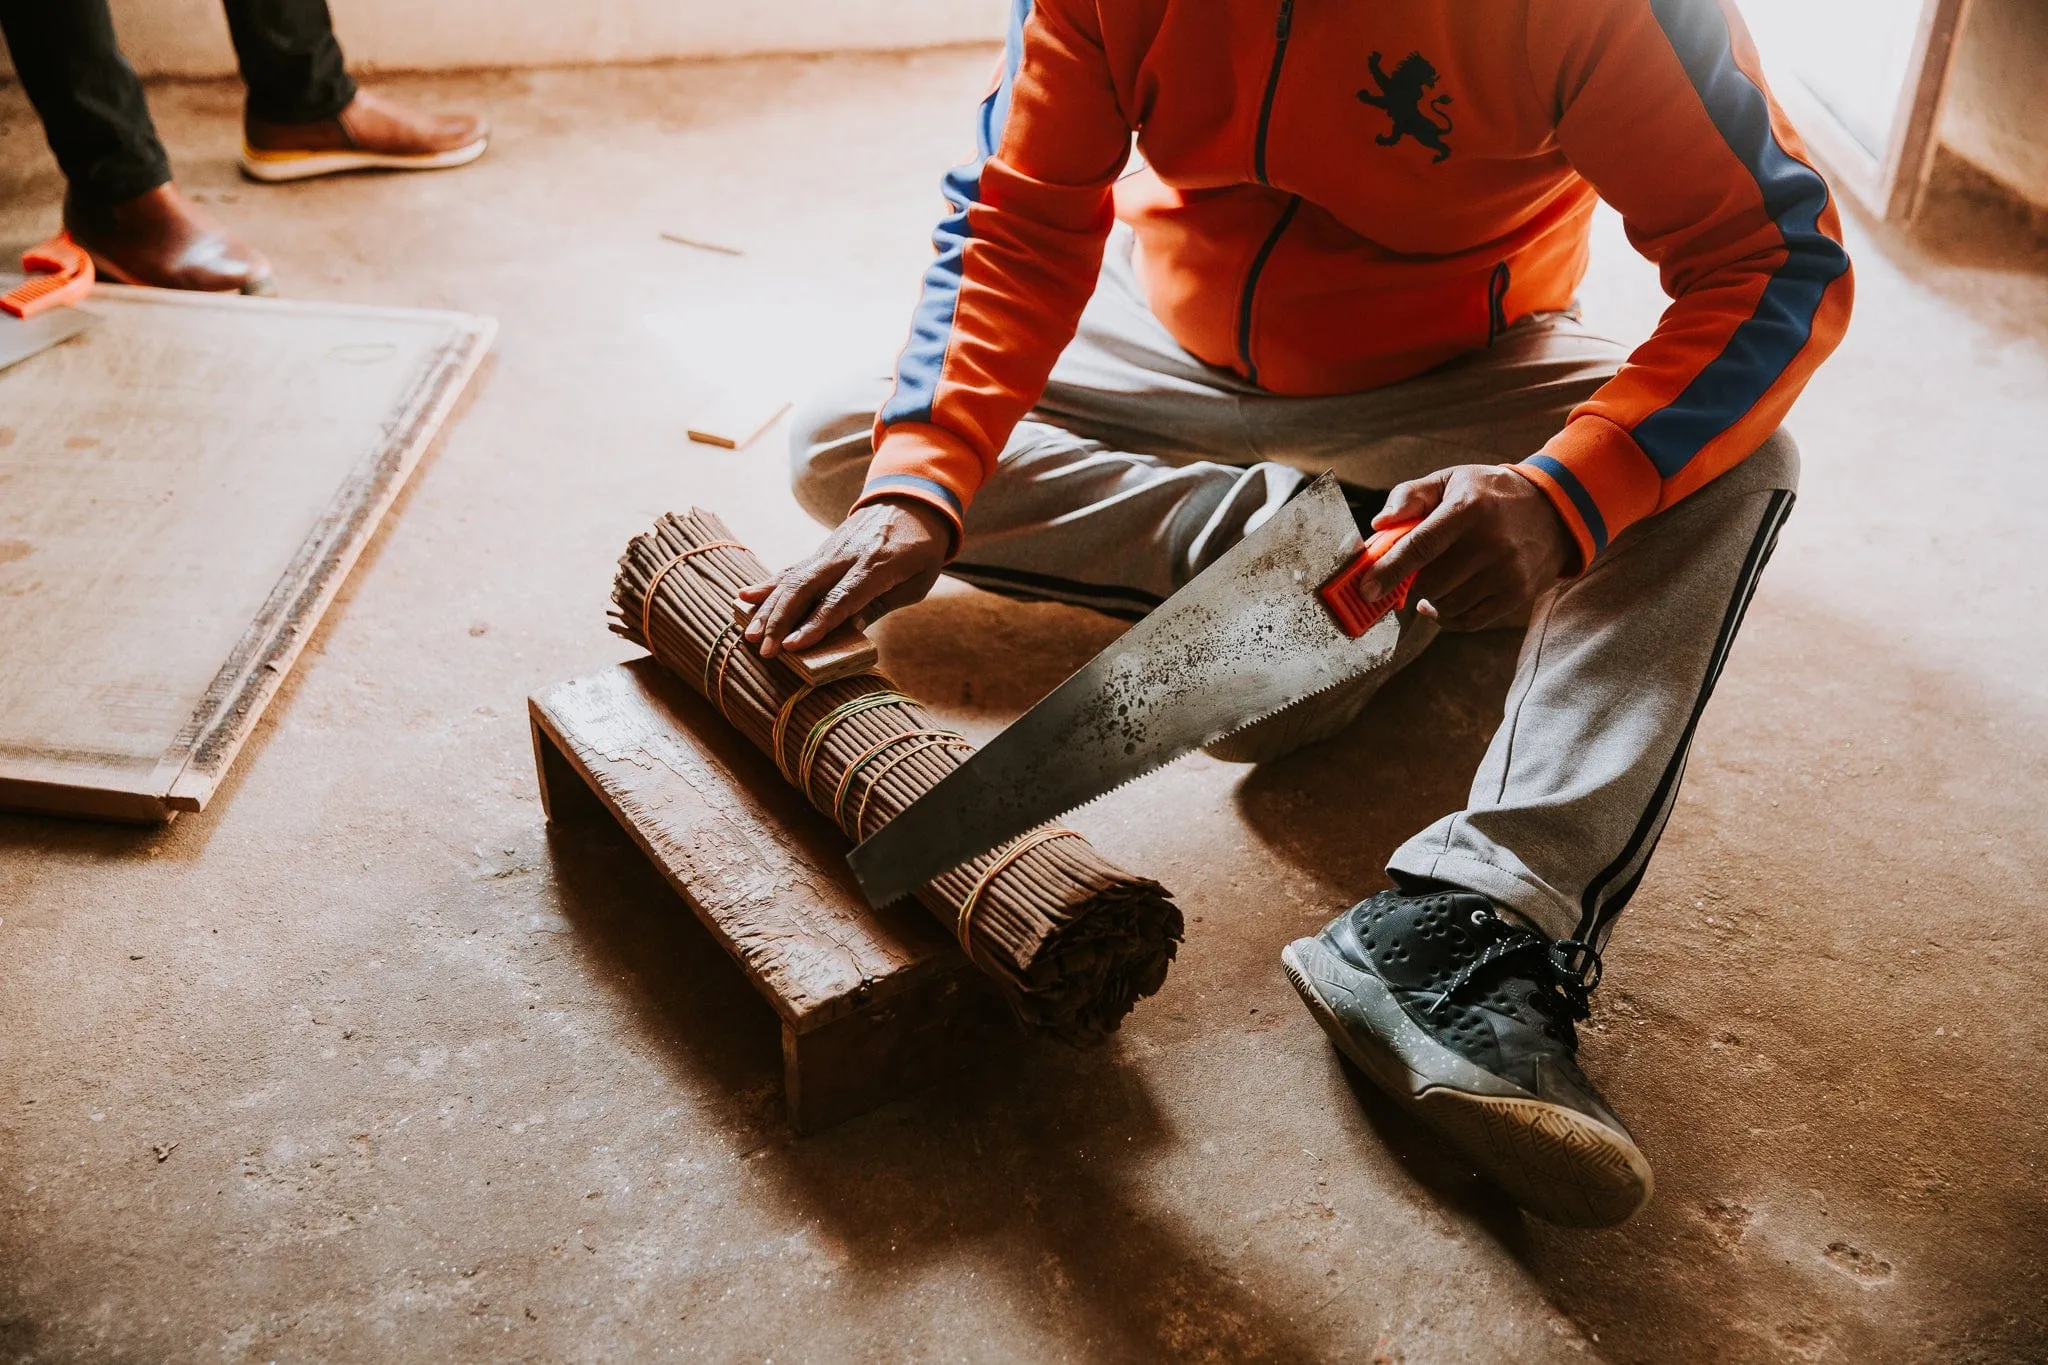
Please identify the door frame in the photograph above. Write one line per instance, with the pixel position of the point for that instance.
(1888, 188)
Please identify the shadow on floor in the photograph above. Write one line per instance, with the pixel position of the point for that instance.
(1025, 1161)
(1969, 219)
(1770, 1023)
(983, 660)
(1342, 807)
(691, 997)
(1750, 1021)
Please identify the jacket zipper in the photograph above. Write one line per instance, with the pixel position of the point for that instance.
(1497, 302)
(1280, 32)
(1281, 28)
(1251, 288)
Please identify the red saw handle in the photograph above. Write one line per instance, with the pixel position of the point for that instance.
(59, 272)
(1355, 616)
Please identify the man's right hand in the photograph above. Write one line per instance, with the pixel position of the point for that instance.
(883, 556)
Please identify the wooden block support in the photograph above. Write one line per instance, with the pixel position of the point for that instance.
(873, 1003)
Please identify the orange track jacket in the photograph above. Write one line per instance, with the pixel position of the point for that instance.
(1339, 194)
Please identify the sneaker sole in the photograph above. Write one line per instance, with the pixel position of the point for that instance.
(1555, 1162)
(277, 167)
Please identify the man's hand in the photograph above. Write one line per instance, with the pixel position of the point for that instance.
(1489, 545)
(883, 556)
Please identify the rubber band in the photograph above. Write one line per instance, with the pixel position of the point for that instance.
(965, 924)
(862, 760)
(654, 583)
(860, 818)
(867, 701)
(782, 727)
(712, 653)
(718, 697)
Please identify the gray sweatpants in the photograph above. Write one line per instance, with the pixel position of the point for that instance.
(1141, 465)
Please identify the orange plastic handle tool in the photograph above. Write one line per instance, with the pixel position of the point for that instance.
(60, 273)
(1355, 616)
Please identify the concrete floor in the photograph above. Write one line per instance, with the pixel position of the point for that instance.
(435, 1084)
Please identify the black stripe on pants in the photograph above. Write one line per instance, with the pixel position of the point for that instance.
(1597, 915)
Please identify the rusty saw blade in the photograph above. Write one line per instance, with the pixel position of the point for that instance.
(1246, 638)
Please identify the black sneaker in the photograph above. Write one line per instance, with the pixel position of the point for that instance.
(1466, 1019)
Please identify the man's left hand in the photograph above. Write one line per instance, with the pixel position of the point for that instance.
(1488, 546)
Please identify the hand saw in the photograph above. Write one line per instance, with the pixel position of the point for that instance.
(1277, 619)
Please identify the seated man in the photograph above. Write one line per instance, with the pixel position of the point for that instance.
(304, 117)
(1355, 245)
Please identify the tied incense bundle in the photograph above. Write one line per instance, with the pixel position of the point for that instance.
(1071, 941)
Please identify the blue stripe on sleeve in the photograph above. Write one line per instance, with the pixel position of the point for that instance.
(1589, 511)
(931, 327)
(1765, 345)
(883, 483)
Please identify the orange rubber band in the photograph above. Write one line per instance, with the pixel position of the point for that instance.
(782, 727)
(813, 742)
(717, 642)
(964, 926)
(718, 698)
(853, 768)
(860, 818)
(654, 583)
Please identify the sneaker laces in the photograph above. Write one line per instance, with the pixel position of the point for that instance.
(1565, 974)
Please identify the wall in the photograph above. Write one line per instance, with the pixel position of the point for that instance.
(1997, 114)
(189, 37)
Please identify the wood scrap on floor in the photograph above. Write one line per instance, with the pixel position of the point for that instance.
(734, 421)
(701, 245)
(1071, 941)
(187, 485)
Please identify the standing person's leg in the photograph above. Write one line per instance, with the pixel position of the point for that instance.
(87, 96)
(290, 61)
(120, 204)
(306, 117)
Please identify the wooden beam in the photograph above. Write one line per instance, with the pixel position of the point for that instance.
(873, 1003)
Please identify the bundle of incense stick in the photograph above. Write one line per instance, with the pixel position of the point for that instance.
(1072, 941)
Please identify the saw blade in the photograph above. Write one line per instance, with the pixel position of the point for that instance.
(1247, 638)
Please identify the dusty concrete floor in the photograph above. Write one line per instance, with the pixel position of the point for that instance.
(443, 1086)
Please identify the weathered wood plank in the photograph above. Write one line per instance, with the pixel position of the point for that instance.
(183, 490)
(888, 1049)
(873, 1003)
(763, 870)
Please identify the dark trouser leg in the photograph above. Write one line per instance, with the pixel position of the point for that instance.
(289, 59)
(87, 96)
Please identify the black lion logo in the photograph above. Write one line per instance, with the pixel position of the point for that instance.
(1400, 94)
